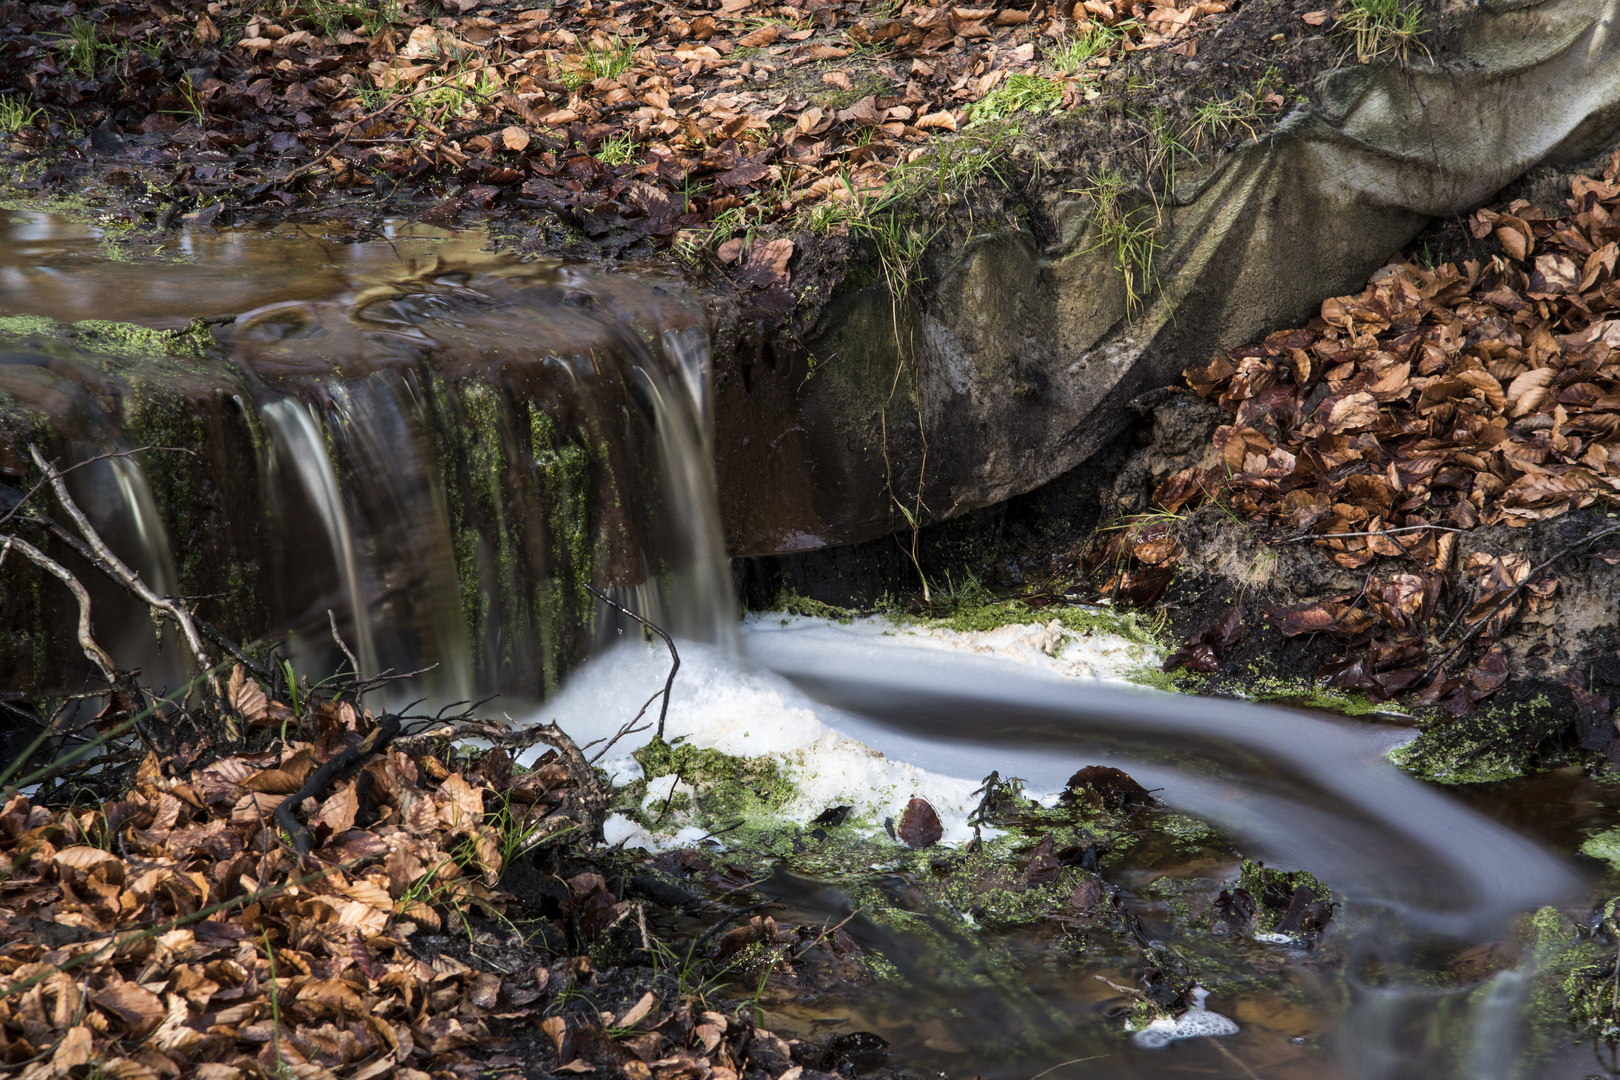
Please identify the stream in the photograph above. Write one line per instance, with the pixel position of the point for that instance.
(430, 448)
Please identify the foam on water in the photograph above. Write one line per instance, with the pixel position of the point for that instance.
(721, 704)
(1196, 1023)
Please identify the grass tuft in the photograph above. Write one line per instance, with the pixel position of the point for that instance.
(16, 115)
(1129, 237)
(1016, 94)
(1098, 39)
(1382, 28)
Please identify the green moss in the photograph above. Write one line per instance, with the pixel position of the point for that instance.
(1605, 846)
(729, 789)
(861, 84)
(791, 603)
(154, 417)
(23, 325)
(1186, 832)
(1589, 975)
(1180, 681)
(1573, 981)
(1274, 889)
(1498, 743)
(563, 470)
(994, 614)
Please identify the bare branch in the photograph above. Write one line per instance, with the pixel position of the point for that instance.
(674, 657)
(23, 497)
(96, 654)
(127, 577)
(354, 665)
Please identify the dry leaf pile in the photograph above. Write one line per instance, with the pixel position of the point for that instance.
(176, 931)
(644, 116)
(1453, 396)
(1433, 402)
(163, 933)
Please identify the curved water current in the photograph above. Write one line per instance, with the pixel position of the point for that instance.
(1416, 869)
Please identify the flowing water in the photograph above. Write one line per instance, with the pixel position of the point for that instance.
(436, 448)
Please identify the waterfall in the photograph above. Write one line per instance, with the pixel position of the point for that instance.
(448, 457)
(298, 447)
(395, 494)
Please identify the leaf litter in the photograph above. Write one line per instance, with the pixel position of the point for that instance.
(177, 930)
(685, 124)
(1437, 401)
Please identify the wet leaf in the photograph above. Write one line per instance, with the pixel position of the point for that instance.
(920, 826)
(1235, 908)
(1113, 786)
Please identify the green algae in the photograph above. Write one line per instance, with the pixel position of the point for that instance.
(27, 325)
(562, 469)
(730, 791)
(1605, 846)
(1274, 889)
(1498, 743)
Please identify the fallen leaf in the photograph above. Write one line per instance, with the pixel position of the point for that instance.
(919, 825)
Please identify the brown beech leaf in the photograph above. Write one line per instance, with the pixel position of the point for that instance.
(761, 37)
(1114, 786)
(1087, 894)
(767, 264)
(1043, 865)
(84, 859)
(919, 825)
(864, 112)
(138, 1009)
(338, 811)
(745, 173)
(247, 697)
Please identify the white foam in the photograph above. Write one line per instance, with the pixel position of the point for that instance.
(722, 703)
(1196, 1023)
(1046, 645)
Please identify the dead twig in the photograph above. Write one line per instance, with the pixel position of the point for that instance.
(674, 658)
(354, 665)
(127, 577)
(362, 122)
(1507, 597)
(1306, 538)
(208, 629)
(95, 653)
(329, 770)
(19, 499)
